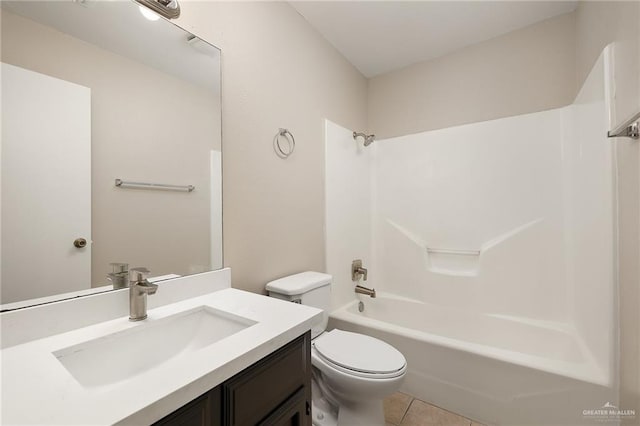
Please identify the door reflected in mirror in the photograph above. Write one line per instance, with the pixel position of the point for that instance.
(93, 93)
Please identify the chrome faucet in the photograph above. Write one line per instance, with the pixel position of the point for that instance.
(139, 287)
(119, 276)
(358, 271)
(364, 290)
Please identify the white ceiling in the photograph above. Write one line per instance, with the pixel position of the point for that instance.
(381, 36)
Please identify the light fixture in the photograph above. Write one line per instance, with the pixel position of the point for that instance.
(149, 14)
(170, 9)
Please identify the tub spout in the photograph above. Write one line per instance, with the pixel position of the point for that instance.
(364, 290)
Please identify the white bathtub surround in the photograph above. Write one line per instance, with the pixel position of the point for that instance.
(494, 254)
(348, 203)
(544, 346)
(497, 370)
(471, 216)
(32, 376)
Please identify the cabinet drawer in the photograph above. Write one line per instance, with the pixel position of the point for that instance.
(252, 395)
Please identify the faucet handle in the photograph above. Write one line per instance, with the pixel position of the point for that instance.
(358, 271)
(119, 268)
(119, 275)
(138, 274)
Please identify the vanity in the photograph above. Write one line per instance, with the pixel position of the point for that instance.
(207, 354)
(274, 391)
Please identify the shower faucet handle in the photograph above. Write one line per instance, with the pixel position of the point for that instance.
(358, 271)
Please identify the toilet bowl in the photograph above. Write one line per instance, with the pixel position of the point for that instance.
(355, 372)
(352, 372)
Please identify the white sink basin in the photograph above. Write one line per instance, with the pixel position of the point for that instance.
(124, 354)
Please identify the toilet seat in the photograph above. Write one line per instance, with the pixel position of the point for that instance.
(359, 355)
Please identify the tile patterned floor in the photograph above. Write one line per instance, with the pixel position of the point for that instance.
(404, 410)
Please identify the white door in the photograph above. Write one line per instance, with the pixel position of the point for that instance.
(46, 185)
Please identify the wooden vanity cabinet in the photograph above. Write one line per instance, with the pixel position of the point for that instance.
(204, 410)
(274, 391)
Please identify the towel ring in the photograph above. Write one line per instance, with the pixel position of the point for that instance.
(277, 146)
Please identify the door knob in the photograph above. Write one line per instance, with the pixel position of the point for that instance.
(80, 243)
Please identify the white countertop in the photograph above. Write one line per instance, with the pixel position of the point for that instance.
(37, 388)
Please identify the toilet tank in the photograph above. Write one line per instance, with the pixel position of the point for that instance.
(307, 288)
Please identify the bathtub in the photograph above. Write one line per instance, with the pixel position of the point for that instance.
(490, 368)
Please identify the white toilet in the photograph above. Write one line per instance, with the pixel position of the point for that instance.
(352, 372)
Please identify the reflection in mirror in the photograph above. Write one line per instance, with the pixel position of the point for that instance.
(93, 92)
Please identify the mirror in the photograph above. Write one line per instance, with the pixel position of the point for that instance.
(94, 93)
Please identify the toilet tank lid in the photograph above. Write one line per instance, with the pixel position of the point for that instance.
(299, 283)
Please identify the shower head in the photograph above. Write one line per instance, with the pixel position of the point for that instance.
(368, 139)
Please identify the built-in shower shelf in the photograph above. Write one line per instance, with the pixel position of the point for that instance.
(464, 263)
(461, 262)
(455, 252)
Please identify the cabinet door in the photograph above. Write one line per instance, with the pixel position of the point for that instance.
(274, 391)
(253, 395)
(202, 411)
(294, 412)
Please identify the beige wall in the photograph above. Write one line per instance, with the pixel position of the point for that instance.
(598, 24)
(168, 232)
(277, 72)
(527, 70)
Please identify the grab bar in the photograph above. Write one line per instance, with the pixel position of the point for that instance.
(451, 251)
(144, 185)
(629, 129)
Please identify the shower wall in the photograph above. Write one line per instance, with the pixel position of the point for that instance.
(471, 217)
(348, 195)
(590, 209)
(511, 218)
